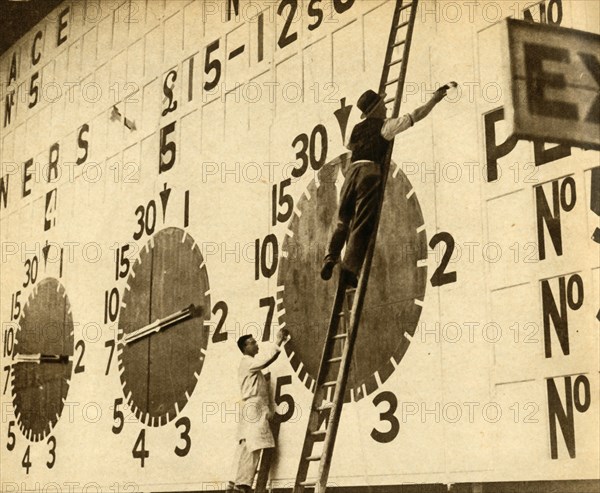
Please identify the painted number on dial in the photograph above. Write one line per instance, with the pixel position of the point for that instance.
(440, 277)
(307, 153)
(15, 309)
(281, 398)
(52, 452)
(283, 201)
(111, 305)
(12, 438)
(122, 262)
(270, 303)
(139, 448)
(386, 416)
(146, 219)
(266, 256)
(31, 271)
(219, 335)
(185, 423)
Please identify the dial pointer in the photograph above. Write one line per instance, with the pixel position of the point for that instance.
(41, 358)
(168, 321)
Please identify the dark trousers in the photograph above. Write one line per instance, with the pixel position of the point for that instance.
(359, 200)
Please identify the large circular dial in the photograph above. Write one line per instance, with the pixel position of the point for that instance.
(396, 285)
(163, 333)
(42, 359)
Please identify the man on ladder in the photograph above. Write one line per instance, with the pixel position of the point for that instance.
(362, 189)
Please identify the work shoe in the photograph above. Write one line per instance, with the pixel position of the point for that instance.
(327, 269)
(349, 278)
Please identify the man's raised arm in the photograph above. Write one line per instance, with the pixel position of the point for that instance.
(393, 126)
(282, 335)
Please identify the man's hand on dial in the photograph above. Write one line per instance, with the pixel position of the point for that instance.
(282, 336)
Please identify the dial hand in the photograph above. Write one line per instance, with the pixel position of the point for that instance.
(162, 323)
(41, 358)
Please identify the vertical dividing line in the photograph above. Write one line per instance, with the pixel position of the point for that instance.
(64, 343)
(261, 39)
(186, 212)
(439, 300)
(191, 79)
(129, 19)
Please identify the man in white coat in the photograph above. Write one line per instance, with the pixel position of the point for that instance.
(254, 431)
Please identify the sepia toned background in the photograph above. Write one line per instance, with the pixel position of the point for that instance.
(158, 154)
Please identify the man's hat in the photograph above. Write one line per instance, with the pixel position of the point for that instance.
(368, 101)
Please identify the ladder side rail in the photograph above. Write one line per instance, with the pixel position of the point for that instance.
(338, 304)
(390, 47)
(361, 290)
(404, 64)
(313, 418)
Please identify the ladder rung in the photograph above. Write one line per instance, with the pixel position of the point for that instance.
(308, 483)
(335, 360)
(393, 81)
(313, 457)
(404, 7)
(327, 405)
(394, 62)
(340, 336)
(331, 383)
(402, 24)
(319, 433)
(399, 43)
(389, 100)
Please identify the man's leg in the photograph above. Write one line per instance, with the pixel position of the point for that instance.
(247, 463)
(368, 193)
(340, 234)
(236, 464)
(338, 239)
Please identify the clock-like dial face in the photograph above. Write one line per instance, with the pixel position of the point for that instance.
(42, 359)
(396, 285)
(163, 334)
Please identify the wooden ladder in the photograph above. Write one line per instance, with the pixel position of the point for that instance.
(339, 344)
(329, 393)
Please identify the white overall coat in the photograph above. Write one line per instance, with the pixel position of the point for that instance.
(256, 407)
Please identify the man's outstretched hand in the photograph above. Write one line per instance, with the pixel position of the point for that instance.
(441, 92)
(282, 336)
